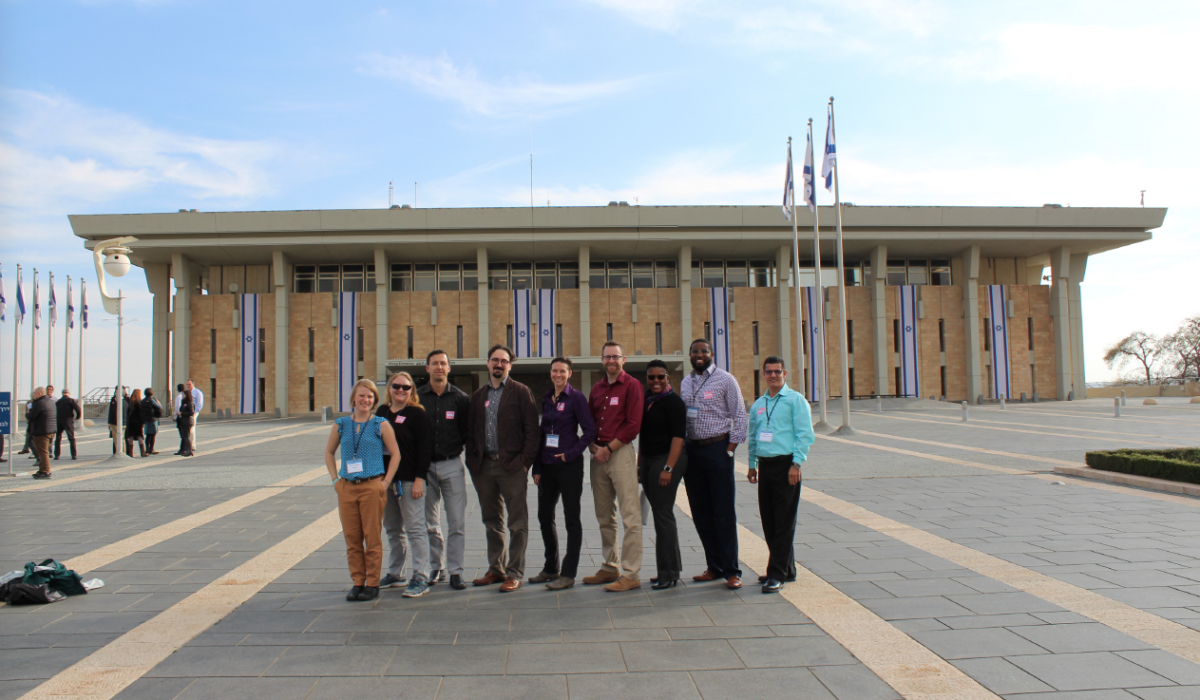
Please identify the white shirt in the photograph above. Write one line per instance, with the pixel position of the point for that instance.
(197, 400)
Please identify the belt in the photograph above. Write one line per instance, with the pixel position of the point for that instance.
(709, 441)
(772, 460)
(369, 478)
(494, 456)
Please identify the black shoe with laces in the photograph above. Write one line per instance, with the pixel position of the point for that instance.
(457, 583)
(369, 593)
(772, 586)
(354, 593)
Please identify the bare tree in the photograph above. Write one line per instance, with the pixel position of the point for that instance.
(1143, 347)
(1183, 347)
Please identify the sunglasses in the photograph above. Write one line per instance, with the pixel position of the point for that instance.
(772, 372)
(656, 377)
(402, 387)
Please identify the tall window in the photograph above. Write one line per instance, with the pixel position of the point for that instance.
(312, 394)
(546, 274)
(262, 394)
(596, 277)
(1031, 334)
(568, 275)
(896, 335)
(761, 274)
(360, 343)
(987, 336)
(305, 279)
(329, 278)
(402, 280)
(643, 274)
(449, 277)
(658, 339)
(665, 276)
(312, 345)
(849, 335)
(737, 274)
(522, 275)
(942, 335)
(212, 394)
(425, 277)
(508, 335)
(212, 345)
(897, 272)
(608, 331)
(712, 273)
(939, 273)
(370, 279)
(918, 272)
(410, 342)
(943, 376)
(498, 276)
(708, 330)
(558, 342)
(850, 372)
(755, 331)
(618, 275)
(460, 342)
(896, 378)
(352, 278)
(262, 344)
(470, 277)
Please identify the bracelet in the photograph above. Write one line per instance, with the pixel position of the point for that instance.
(335, 480)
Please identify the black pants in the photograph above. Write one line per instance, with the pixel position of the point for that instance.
(778, 502)
(561, 479)
(662, 504)
(711, 491)
(185, 434)
(70, 431)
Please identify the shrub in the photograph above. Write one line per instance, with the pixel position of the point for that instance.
(1179, 464)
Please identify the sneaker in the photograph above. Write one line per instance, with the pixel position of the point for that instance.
(437, 576)
(417, 586)
(390, 581)
(561, 583)
(41, 475)
(542, 577)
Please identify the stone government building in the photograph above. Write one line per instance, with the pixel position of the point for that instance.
(444, 278)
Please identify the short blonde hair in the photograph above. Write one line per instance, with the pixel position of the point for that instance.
(367, 383)
(412, 395)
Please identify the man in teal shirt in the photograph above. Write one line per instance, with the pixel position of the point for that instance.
(780, 435)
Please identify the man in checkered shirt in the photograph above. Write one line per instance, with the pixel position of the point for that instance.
(716, 424)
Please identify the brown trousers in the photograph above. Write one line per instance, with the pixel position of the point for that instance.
(41, 450)
(361, 509)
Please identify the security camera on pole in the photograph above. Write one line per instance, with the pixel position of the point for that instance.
(112, 256)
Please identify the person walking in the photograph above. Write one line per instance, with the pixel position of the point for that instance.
(185, 415)
(133, 424)
(404, 511)
(716, 425)
(152, 410)
(616, 404)
(66, 411)
(502, 443)
(781, 434)
(559, 471)
(449, 410)
(361, 485)
(197, 407)
(43, 420)
(662, 463)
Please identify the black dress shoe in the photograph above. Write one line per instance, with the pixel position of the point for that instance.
(353, 594)
(663, 584)
(369, 593)
(763, 579)
(457, 583)
(772, 586)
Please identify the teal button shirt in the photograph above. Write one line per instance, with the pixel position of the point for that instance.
(788, 418)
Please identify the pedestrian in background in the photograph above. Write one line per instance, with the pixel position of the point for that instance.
(28, 448)
(152, 410)
(66, 411)
(361, 485)
(404, 511)
(662, 463)
(197, 406)
(43, 420)
(185, 415)
(133, 424)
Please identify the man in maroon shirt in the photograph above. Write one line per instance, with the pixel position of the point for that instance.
(616, 403)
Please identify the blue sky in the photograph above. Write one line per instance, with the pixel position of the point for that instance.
(117, 106)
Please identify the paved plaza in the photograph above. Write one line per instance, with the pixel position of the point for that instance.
(939, 559)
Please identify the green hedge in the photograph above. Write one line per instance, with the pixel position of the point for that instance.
(1180, 464)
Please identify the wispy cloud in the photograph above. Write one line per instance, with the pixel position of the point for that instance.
(510, 96)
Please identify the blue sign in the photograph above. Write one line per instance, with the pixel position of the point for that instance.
(6, 423)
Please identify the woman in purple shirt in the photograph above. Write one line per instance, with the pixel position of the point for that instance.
(559, 471)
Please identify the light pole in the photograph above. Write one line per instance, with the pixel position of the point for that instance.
(116, 263)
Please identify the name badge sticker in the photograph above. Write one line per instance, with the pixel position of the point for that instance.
(614, 401)
(354, 467)
(708, 395)
(487, 403)
(400, 419)
(692, 412)
(762, 410)
(449, 415)
(766, 436)
(551, 441)
(562, 407)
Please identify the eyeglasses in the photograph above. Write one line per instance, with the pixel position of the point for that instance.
(700, 351)
(402, 387)
(499, 361)
(612, 358)
(656, 377)
(772, 372)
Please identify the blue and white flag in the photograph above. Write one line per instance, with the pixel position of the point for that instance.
(810, 190)
(521, 323)
(830, 154)
(998, 332)
(547, 345)
(910, 367)
(789, 187)
(37, 307)
(3, 301)
(248, 326)
(718, 313)
(20, 317)
(814, 304)
(347, 349)
(70, 307)
(53, 303)
(83, 303)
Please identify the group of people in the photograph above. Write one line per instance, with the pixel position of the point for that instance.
(140, 413)
(47, 420)
(406, 457)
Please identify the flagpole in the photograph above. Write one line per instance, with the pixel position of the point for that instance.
(796, 271)
(33, 336)
(53, 307)
(820, 371)
(67, 342)
(82, 323)
(16, 399)
(846, 428)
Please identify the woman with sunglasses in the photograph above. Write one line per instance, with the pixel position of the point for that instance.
(404, 513)
(661, 464)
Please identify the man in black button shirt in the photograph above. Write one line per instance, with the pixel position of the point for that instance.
(661, 464)
(447, 407)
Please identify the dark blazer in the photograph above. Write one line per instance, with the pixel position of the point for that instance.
(68, 410)
(517, 431)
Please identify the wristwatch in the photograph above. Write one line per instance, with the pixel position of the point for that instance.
(668, 469)
(729, 453)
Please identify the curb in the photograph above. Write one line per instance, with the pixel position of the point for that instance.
(1141, 482)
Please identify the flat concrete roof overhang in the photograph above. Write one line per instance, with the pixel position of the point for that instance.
(540, 365)
(612, 232)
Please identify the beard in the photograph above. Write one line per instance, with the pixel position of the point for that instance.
(700, 364)
(497, 372)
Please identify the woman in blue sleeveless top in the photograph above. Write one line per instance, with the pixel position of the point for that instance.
(361, 485)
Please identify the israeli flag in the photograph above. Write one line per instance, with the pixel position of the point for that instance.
(789, 188)
(347, 349)
(3, 301)
(830, 154)
(718, 312)
(37, 308)
(910, 367)
(248, 325)
(810, 191)
(70, 307)
(83, 303)
(813, 307)
(998, 311)
(546, 334)
(521, 323)
(53, 303)
(20, 318)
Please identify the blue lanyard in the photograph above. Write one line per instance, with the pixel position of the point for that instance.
(701, 387)
(772, 406)
(358, 435)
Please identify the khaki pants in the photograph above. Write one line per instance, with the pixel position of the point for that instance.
(361, 509)
(41, 451)
(613, 483)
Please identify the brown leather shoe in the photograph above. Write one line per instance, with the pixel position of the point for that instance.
(510, 585)
(733, 582)
(488, 579)
(623, 584)
(601, 576)
(708, 575)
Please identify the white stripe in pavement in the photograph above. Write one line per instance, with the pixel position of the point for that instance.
(978, 425)
(999, 453)
(924, 455)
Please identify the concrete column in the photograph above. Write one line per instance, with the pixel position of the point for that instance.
(185, 282)
(383, 278)
(783, 264)
(158, 280)
(281, 282)
(970, 285)
(881, 352)
(585, 304)
(481, 260)
(1060, 272)
(1074, 302)
(685, 297)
